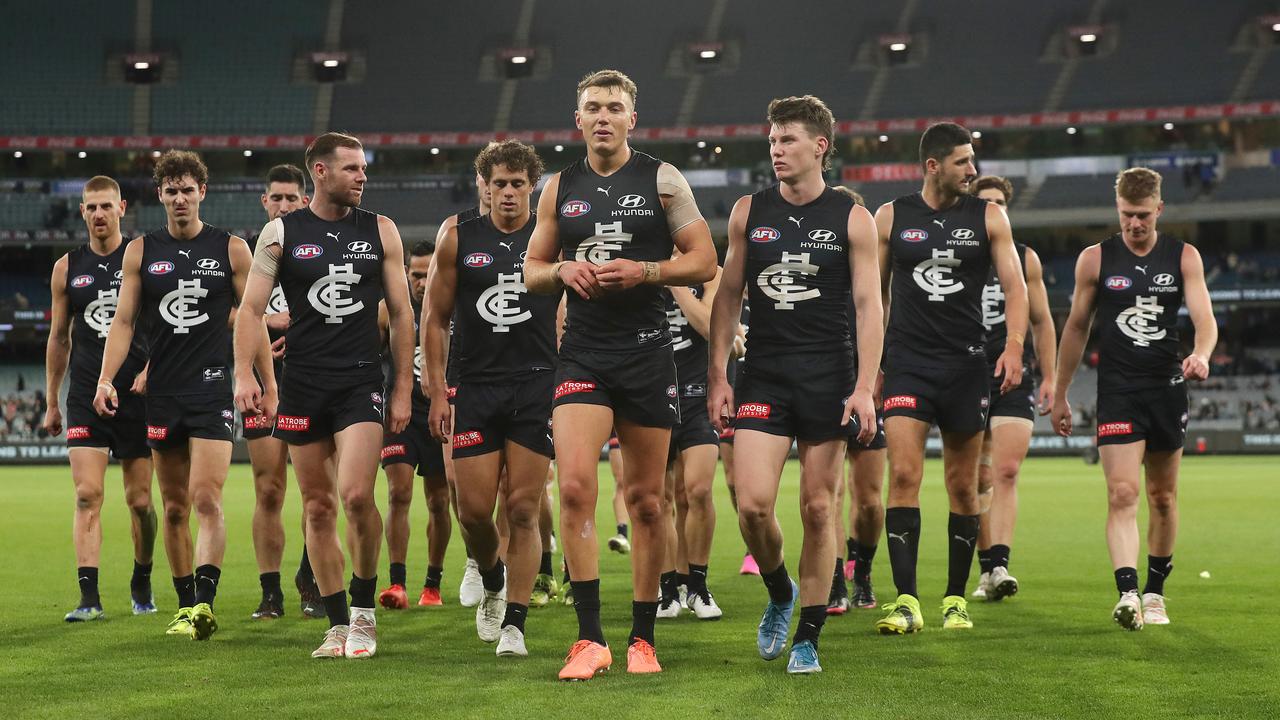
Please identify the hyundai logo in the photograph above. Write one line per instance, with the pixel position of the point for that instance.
(208, 264)
(358, 246)
(631, 201)
(1163, 279)
(962, 234)
(825, 236)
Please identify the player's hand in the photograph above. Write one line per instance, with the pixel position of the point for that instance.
(401, 409)
(1061, 417)
(441, 419)
(52, 419)
(270, 405)
(720, 407)
(278, 322)
(139, 386)
(277, 348)
(105, 399)
(1195, 367)
(581, 278)
(248, 395)
(1046, 396)
(860, 404)
(620, 274)
(1010, 365)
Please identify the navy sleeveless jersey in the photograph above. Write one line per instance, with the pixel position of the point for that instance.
(93, 289)
(503, 332)
(940, 260)
(331, 273)
(797, 273)
(187, 296)
(690, 347)
(993, 314)
(606, 218)
(1137, 315)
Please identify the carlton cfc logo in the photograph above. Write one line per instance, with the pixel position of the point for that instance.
(1118, 282)
(306, 252)
(914, 235)
(82, 281)
(764, 235)
(163, 267)
(478, 260)
(575, 208)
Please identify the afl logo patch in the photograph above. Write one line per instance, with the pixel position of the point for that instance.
(914, 235)
(764, 235)
(306, 252)
(82, 281)
(1164, 279)
(163, 267)
(575, 208)
(478, 260)
(1119, 282)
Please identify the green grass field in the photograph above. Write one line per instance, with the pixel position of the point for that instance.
(1050, 652)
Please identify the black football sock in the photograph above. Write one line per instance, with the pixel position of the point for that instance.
(434, 575)
(862, 569)
(985, 563)
(516, 615)
(494, 578)
(335, 607)
(270, 583)
(962, 535)
(643, 615)
(1127, 580)
(667, 585)
(586, 603)
(140, 583)
(186, 588)
(1158, 569)
(902, 528)
(207, 577)
(544, 568)
(362, 590)
(88, 577)
(1000, 556)
(697, 579)
(304, 566)
(399, 574)
(812, 618)
(778, 582)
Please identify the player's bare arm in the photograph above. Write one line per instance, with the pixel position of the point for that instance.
(1043, 333)
(1075, 332)
(726, 310)
(437, 310)
(123, 326)
(57, 351)
(400, 316)
(864, 276)
(1004, 255)
(1196, 295)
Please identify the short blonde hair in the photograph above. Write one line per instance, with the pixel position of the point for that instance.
(1137, 184)
(607, 79)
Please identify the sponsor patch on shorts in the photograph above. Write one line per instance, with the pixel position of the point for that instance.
(900, 401)
(293, 423)
(452, 392)
(467, 439)
(393, 450)
(256, 422)
(157, 432)
(569, 387)
(78, 432)
(759, 411)
(1115, 428)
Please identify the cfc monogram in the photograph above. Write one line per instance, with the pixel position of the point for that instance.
(500, 304)
(1135, 322)
(599, 248)
(934, 275)
(780, 283)
(101, 311)
(327, 294)
(180, 307)
(992, 305)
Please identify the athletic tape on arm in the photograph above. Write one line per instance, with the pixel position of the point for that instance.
(681, 209)
(267, 263)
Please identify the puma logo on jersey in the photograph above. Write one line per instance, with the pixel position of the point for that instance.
(604, 190)
(794, 220)
(185, 253)
(103, 266)
(333, 235)
(1141, 268)
(506, 245)
(941, 223)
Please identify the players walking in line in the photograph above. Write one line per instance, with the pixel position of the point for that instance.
(937, 248)
(1135, 282)
(185, 278)
(615, 216)
(414, 448)
(286, 191)
(334, 261)
(85, 289)
(807, 249)
(695, 447)
(502, 408)
(1012, 414)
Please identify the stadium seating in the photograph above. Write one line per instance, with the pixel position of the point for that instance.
(54, 81)
(241, 87)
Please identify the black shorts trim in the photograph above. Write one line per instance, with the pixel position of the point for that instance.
(124, 434)
(799, 395)
(172, 420)
(639, 386)
(1158, 416)
(955, 399)
(313, 407)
